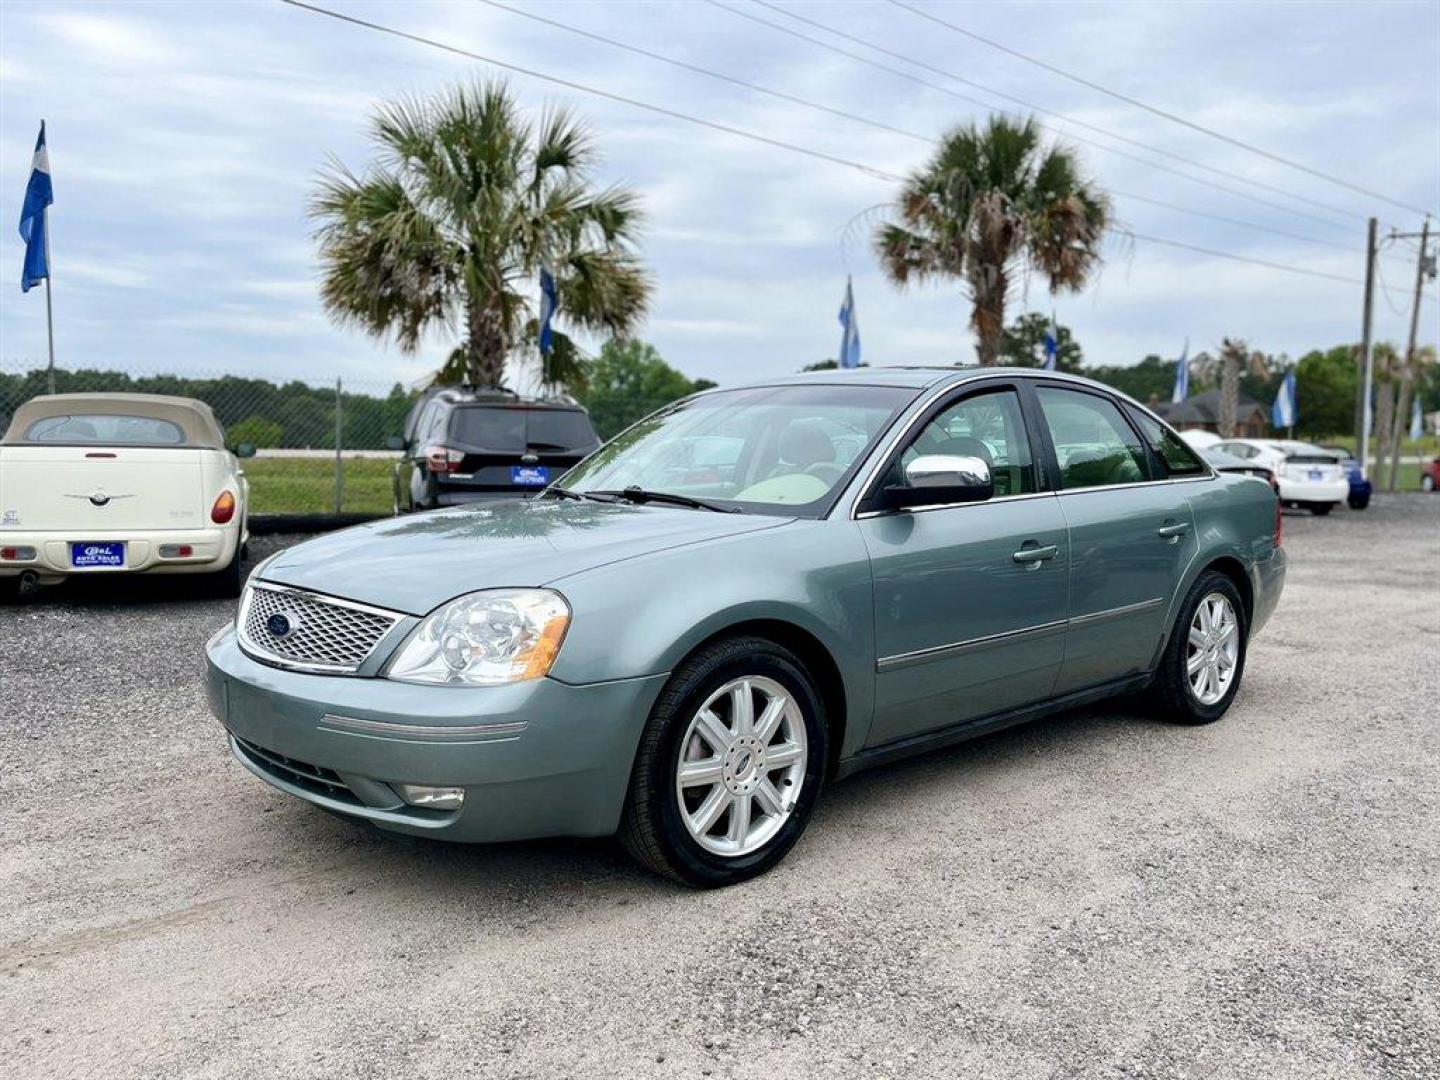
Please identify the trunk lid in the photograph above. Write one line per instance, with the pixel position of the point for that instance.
(94, 490)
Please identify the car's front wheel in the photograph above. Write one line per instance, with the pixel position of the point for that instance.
(1204, 659)
(730, 765)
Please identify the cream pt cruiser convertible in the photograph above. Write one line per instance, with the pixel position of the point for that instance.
(120, 483)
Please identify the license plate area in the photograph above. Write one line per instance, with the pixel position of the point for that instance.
(91, 553)
(529, 475)
(1317, 474)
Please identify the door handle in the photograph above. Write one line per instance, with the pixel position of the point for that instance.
(1173, 531)
(1036, 555)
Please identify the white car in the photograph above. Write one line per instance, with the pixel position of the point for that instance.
(120, 483)
(1310, 477)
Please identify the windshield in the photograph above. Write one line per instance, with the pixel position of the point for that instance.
(777, 449)
(515, 430)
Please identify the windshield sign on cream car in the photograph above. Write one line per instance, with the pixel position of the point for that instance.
(742, 598)
(120, 484)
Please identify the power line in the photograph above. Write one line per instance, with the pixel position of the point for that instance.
(697, 69)
(1174, 118)
(740, 132)
(1041, 110)
(570, 84)
(868, 121)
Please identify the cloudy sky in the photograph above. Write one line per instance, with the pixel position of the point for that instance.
(185, 140)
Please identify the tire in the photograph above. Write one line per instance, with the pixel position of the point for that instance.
(1427, 482)
(654, 825)
(1359, 503)
(226, 584)
(1172, 693)
(1321, 509)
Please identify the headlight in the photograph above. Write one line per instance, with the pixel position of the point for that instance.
(496, 636)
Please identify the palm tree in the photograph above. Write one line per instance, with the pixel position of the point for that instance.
(467, 202)
(1235, 355)
(992, 202)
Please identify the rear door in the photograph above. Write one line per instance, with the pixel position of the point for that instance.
(96, 490)
(1132, 534)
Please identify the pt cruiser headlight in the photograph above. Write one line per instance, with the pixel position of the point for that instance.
(486, 638)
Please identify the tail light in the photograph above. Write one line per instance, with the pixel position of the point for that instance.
(1279, 524)
(17, 554)
(224, 508)
(1280, 467)
(443, 459)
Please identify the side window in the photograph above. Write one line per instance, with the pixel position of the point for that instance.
(433, 428)
(1179, 459)
(1094, 444)
(988, 426)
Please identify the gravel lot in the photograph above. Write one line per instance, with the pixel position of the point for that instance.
(1098, 895)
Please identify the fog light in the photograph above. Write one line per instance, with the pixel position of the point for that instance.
(431, 798)
(17, 554)
(176, 551)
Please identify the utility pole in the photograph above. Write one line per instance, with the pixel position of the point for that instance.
(1367, 346)
(1407, 377)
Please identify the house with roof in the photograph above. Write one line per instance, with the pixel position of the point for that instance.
(1201, 412)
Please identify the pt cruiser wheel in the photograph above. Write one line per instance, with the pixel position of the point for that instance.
(1200, 672)
(729, 766)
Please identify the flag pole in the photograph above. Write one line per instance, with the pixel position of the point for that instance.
(49, 311)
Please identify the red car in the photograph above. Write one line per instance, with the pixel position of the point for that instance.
(1430, 475)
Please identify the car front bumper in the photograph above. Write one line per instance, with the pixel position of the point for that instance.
(539, 758)
(211, 549)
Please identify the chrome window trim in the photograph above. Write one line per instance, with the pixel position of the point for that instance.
(936, 652)
(865, 515)
(420, 732)
(258, 652)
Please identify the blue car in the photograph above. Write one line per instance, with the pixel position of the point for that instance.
(1359, 497)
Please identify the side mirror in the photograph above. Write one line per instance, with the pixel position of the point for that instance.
(394, 442)
(244, 449)
(938, 479)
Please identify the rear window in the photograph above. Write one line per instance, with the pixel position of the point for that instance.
(105, 429)
(517, 430)
(1179, 459)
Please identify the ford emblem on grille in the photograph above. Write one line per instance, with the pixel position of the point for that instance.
(282, 624)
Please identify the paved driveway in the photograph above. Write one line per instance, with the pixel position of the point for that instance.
(1092, 896)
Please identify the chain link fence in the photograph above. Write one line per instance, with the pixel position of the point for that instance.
(320, 444)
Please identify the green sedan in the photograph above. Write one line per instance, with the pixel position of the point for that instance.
(743, 598)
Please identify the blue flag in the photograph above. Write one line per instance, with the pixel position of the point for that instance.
(549, 301)
(38, 195)
(850, 330)
(1282, 414)
(1417, 419)
(1182, 375)
(1052, 343)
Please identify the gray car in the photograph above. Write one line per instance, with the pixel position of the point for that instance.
(686, 646)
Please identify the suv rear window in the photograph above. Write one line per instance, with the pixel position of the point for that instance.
(104, 429)
(518, 429)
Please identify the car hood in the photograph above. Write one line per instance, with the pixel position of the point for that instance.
(415, 563)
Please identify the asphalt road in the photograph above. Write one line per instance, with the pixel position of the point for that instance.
(1100, 895)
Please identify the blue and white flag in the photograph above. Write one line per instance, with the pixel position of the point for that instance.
(549, 301)
(1182, 376)
(1052, 343)
(850, 330)
(1417, 419)
(38, 195)
(1282, 414)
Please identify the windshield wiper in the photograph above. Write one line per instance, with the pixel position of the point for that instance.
(578, 496)
(640, 496)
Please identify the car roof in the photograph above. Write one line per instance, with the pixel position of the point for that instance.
(193, 417)
(916, 377)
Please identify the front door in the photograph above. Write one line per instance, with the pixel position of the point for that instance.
(970, 599)
(1131, 538)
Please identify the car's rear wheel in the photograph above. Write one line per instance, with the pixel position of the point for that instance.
(730, 765)
(226, 584)
(1204, 659)
(1321, 509)
(1359, 502)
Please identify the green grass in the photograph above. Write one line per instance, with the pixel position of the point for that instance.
(307, 485)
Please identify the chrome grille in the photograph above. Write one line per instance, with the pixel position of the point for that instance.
(317, 633)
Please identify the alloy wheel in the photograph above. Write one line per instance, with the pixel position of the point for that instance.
(1213, 650)
(741, 765)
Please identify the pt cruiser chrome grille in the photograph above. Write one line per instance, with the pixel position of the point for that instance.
(304, 630)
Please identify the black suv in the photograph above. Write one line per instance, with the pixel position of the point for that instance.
(462, 445)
